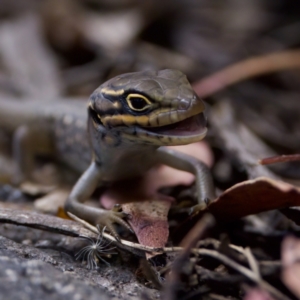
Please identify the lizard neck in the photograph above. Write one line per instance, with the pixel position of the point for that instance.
(118, 158)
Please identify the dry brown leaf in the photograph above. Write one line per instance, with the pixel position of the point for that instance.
(149, 221)
(254, 196)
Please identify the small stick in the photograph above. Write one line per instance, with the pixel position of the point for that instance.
(112, 238)
(206, 252)
(244, 271)
(246, 69)
(190, 241)
(252, 262)
(279, 159)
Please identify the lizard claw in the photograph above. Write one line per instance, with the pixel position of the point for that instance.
(110, 217)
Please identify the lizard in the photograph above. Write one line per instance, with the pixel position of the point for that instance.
(130, 121)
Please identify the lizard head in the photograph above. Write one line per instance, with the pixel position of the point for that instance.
(157, 108)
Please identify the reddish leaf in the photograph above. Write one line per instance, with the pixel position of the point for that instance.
(254, 196)
(149, 221)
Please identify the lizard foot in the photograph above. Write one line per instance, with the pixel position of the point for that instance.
(199, 207)
(108, 217)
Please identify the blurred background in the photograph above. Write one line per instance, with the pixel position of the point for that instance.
(69, 47)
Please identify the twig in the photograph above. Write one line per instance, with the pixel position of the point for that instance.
(122, 242)
(215, 243)
(279, 159)
(243, 270)
(197, 231)
(252, 262)
(173, 282)
(246, 69)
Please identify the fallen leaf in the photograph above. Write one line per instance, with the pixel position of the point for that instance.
(254, 196)
(149, 221)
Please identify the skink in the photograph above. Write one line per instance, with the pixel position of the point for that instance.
(130, 121)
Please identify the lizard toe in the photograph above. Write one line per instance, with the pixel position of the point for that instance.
(197, 208)
(204, 203)
(111, 217)
(118, 217)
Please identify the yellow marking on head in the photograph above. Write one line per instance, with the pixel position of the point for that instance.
(135, 120)
(128, 119)
(90, 105)
(117, 105)
(142, 120)
(131, 97)
(125, 119)
(107, 91)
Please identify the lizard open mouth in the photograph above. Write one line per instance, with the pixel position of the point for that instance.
(190, 126)
(187, 131)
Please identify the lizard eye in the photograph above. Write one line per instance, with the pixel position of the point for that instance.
(137, 102)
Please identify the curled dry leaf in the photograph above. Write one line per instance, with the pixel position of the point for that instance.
(290, 255)
(254, 196)
(149, 221)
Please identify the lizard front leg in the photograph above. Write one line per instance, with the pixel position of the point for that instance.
(184, 162)
(82, 190)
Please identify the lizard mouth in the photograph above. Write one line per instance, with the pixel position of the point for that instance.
(184, 132)
(192, 125)
(189, 130)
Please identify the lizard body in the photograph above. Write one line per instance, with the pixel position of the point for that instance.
(130, 119)
(56, 128)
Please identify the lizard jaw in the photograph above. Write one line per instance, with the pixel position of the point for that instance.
(194, 124)
(189, 130)
(184, 132)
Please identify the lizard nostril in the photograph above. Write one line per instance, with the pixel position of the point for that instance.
(184, 104)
